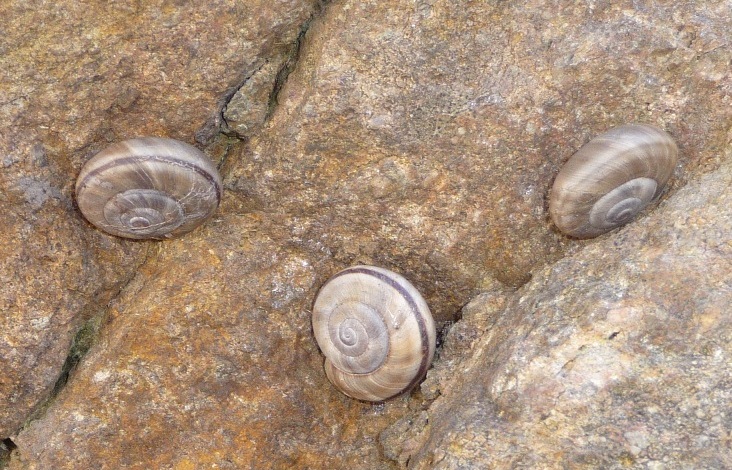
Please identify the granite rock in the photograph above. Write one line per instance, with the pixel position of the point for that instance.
(213, 366)
(424, 136)
(55, 275)
(615, 357)
(74, 77)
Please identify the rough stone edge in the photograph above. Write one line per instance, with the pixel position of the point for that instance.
(86, 336)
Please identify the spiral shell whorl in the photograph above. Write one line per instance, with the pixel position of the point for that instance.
(611, 179)
(148, 188)
(359, 334)
(376, 332)
(145, 212)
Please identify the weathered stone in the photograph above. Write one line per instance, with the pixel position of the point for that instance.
(55, 275)
(418, 137)
(617, 356)
(208, 360)
(476, 318)
(424, 137)
(403, 438)
(249, 108)
(74, 77)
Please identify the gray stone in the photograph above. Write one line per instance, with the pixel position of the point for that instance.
(616, 356)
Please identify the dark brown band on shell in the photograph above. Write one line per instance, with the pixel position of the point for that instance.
(157, 158)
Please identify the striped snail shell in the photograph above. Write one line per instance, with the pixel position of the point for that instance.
(611, 179)
(149, 187)
(376, 332)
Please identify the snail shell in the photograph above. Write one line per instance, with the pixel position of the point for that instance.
(148, 187)
(610, 179)
(376, 333)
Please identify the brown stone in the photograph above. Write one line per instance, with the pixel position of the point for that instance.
(55, 275)
(207, 359)
(418, 137)
(617, 356)
(425, 137)
(74, 77)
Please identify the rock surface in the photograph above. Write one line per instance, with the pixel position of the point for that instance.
(421, 137)
(212, 367)
(424, 136)
(74, 77)
(616, 357)
(54, 277)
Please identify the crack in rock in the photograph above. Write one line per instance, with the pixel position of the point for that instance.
(250, 105)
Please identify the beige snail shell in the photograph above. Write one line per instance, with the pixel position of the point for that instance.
(611, 179)
(376, 332)
(148, 187)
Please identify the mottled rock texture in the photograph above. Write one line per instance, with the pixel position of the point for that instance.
(54, 277)
(616, 357)
(73, 77)
(212, 367)
(418, 136)
(424, 136)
